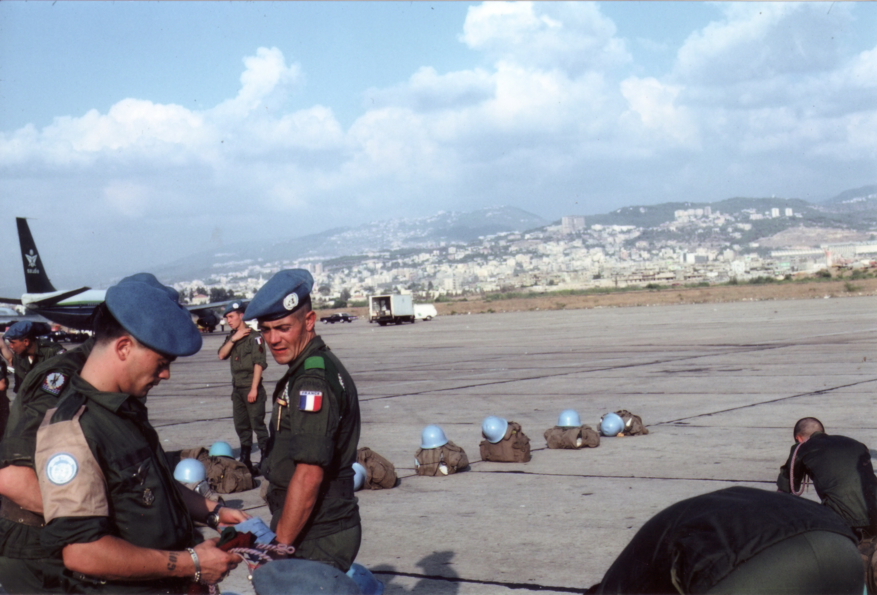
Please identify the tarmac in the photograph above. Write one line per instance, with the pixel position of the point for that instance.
(718, 385)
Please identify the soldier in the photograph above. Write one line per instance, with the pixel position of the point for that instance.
(841, 471)
(314, 428)
(246, 352)
(25, 567)
(25, 350)
(114, 512)
(739, 540)
(4, 400)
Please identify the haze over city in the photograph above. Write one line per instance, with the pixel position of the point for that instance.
(136, 133)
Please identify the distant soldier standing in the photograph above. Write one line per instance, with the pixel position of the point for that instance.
(25, 351)
(246, 352)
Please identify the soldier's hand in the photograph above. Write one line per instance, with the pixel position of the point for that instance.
(215, 563)
(231, 516)
(253, 395)
(242, 332)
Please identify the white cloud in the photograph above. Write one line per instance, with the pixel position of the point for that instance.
(654, 104)
(572, 36)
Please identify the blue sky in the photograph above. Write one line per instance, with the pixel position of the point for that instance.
(136, 133)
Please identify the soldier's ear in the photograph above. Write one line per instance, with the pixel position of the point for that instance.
(123, 346)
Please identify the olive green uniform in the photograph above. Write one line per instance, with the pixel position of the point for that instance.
(25, 567)
(248, 417)
(739, 540)
(122, 484)
(25, 363)
(315, 421)
(4, 400)
(842, 474)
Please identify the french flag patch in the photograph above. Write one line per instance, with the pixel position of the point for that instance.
(310, 400)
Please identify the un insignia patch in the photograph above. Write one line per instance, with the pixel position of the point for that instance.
(54, 383)
(62, 468)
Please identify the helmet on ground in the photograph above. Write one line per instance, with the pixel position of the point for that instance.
(365, 580)
(221, 449)
(359, 476)
(569, 419)
(190, 471)
(433, 437)
(494, 428)
(611, 424)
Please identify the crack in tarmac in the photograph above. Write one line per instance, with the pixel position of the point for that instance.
(456, 579)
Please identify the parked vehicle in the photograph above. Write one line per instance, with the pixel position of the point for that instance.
(392, 308)
(425, 311)
(338, 317)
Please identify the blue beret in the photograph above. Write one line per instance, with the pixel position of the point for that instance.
(301, 577)
(20, 330)
(149, 311)
(283, 294)
(236, 306)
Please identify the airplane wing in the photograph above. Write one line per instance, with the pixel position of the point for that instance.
(54, 300)
(16, 301)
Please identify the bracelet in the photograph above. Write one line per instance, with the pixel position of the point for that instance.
(196, 562)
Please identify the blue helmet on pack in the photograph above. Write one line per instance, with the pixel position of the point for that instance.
(433, 437)
(569, 419)
(190, 471)
(611, 424)
(221, 449)
(494, 428)
(359, 476)
(365, 580)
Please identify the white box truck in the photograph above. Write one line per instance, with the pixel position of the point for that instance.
(393, 308)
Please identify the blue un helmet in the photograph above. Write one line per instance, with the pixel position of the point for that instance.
(221, 449)
(611, 424)
(365, 580)
(433, 437)
(359, 476)
(190, 471)
(494, 428)
(569, 419)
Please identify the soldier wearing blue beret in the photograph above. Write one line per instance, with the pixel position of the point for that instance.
(314, 428)
(114, 513)
(25, 349)
(245, 350)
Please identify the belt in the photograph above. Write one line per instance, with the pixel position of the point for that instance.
(11, 511)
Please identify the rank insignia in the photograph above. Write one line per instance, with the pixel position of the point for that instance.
(54, 383)
(310, 400)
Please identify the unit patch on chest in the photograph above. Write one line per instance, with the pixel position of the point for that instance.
(54, 383)
(310, 400)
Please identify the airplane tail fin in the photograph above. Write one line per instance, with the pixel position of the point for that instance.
(35, 278)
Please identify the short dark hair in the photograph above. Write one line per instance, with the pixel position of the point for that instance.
(806, 426)
(106, 327)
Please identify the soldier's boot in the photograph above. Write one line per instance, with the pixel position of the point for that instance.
(245, 459)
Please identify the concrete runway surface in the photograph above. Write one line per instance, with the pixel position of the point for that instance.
(719, 386)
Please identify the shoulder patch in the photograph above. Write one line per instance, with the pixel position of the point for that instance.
(315, 362)
(62, 469)
(310, 400)
(259, 340)
(55, 383)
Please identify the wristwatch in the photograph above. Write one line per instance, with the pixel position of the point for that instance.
(212, 519)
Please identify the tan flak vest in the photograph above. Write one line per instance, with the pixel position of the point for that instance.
(580, 437)
(444, 460)
(225, 475)
(513, 448)
(380, 473)
(633, 424)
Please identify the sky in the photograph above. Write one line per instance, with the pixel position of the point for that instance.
(136, 133)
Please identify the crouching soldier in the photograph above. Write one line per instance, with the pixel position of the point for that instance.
(504, 441)
(380, 473)
(437, 455)
(570, 433)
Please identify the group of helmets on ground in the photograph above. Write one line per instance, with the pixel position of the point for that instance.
(505, 441)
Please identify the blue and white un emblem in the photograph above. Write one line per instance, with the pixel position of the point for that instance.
(61, 469)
